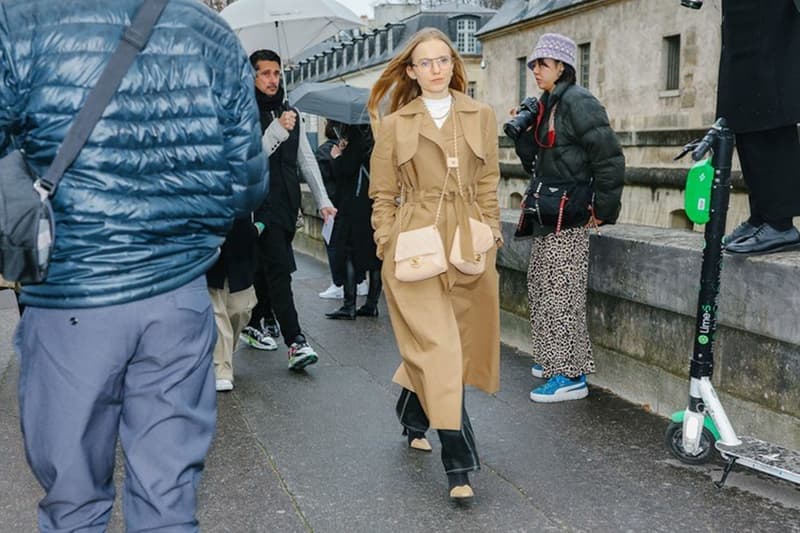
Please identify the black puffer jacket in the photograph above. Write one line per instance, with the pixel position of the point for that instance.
(585, 147)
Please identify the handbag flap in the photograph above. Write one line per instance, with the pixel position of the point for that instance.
(422, 241)
(482, 236)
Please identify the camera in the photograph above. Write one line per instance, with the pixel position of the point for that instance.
(693, 4)
(525, 118)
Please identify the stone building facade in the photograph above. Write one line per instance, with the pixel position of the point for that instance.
(360, 59)
(654, 66)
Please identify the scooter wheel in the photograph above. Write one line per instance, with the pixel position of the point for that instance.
(673, 440)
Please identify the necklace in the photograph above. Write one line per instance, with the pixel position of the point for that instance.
(443, 113)
(439, 117)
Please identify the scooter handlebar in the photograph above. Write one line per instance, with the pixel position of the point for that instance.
(709, 140)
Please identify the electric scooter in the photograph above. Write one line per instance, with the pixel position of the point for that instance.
(693, 433)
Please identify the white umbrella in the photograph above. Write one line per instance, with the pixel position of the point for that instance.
(287, 26)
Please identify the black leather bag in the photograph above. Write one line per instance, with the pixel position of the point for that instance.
(561, 206)
(27, 226)
(524, 225)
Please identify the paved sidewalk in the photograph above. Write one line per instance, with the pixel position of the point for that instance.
(321, 451)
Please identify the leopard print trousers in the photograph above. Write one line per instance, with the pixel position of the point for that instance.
(558, 274)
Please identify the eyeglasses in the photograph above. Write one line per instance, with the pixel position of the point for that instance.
(426, 63)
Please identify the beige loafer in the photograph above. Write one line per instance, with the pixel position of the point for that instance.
(421, 444)
(462, 494)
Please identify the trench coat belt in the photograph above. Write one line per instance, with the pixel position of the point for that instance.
(462, 216)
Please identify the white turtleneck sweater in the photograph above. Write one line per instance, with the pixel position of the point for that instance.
(438, 108)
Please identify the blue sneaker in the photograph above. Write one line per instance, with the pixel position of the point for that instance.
(560, 388)
(537, 370)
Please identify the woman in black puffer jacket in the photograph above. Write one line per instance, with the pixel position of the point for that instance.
(577, 164)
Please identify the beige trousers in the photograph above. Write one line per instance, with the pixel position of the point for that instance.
(231, 313)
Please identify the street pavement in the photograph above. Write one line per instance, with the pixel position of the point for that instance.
(322, 451)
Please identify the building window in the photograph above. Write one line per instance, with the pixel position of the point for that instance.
(471, 87)
(585, 53)
(672, 65)
(522, 78)
(465, 36)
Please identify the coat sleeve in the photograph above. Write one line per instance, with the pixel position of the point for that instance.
(310, 170)
(604, 153)
(242, 133)
(273, 136)
(490, 174)
(9, 95)
(384, 185)
(346, 166)
(526, 150)
(325, 164)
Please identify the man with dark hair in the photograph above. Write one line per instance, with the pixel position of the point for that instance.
(290, 156)
(116, 344)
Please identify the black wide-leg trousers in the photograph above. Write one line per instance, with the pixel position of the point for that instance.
(771, 168)
(459, 453)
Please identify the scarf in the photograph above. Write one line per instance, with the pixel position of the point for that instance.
(268, 107)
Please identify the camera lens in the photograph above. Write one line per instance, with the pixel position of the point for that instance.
(514, 127)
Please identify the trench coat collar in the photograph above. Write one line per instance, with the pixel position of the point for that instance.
(413, 116)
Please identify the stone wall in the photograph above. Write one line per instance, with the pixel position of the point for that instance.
(643, 287)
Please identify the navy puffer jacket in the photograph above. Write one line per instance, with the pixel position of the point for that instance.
(174, 159)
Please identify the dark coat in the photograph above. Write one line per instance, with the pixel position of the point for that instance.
(585, 147)
(352, 231)
(324, 161)
(280, 208)
(759, 74)
(237, 258)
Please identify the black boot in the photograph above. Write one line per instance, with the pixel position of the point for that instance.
(348, 310)
(370, 307)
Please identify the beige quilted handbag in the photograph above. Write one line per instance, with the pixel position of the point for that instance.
(482, 242)
(419, 254)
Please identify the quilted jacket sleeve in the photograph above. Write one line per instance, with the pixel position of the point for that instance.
(9, 96)
(490, 175)
(604, 153)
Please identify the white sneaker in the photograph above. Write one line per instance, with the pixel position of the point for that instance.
(362, 289)
(224, 385)
(332, 293)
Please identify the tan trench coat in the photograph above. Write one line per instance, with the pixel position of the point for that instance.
(448, 327)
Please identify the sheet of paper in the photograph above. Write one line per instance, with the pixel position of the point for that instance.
(327, 230)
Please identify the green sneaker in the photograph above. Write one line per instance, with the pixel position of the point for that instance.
(301, 355)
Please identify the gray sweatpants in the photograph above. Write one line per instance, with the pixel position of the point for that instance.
(141, 371)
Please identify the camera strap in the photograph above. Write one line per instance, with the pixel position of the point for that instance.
(551, 126)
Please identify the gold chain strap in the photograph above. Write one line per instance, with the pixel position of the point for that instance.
(447, 175)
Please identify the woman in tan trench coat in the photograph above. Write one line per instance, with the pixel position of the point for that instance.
(447, 326)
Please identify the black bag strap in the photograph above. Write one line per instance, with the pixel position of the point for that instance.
(133, 41)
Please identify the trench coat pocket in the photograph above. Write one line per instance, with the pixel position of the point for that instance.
(482, 242)
(419, 254)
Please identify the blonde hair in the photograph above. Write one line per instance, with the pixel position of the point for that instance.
(395, 80)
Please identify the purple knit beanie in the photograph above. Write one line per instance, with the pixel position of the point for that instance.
(554, 46)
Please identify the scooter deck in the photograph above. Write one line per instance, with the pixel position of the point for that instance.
(765, 457)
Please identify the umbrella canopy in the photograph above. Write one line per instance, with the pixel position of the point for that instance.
(336, 101)
(287, 26)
